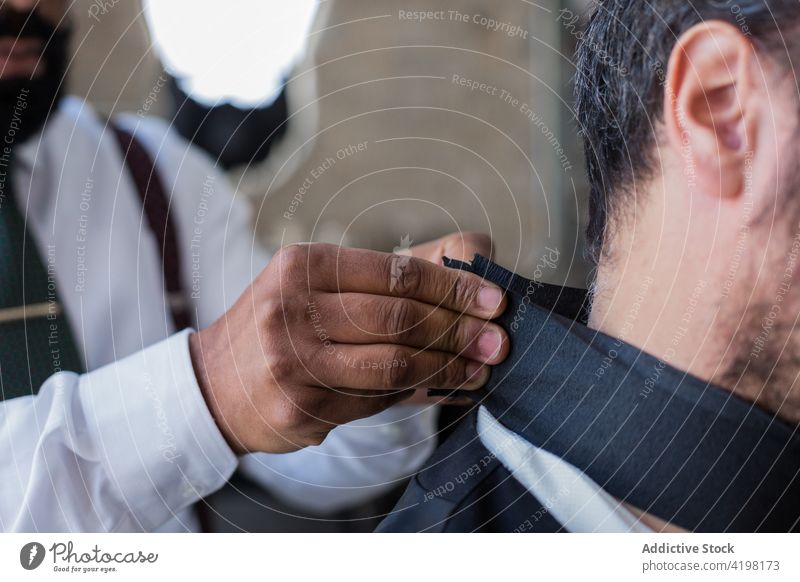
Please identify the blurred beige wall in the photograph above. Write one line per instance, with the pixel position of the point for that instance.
(387, 138)
(396, 140)
(114, 66)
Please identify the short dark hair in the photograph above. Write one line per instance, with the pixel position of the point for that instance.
(621, 65)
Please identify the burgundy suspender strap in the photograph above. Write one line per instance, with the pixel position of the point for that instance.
(156, 208)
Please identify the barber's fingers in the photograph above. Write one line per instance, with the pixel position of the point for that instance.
(386, 367)
(344, 270)
(357, 318)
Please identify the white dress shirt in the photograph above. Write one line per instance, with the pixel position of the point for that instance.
(130, 445)
(569, 495)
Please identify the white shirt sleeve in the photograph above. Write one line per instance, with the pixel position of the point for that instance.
(123, 448)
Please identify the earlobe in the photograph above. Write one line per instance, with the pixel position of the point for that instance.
(708, 107)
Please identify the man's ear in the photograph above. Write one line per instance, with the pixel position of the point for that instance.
(712, 107)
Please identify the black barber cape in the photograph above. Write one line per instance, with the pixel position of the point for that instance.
(648, 434)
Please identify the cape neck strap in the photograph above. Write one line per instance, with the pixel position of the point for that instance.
(670, 444)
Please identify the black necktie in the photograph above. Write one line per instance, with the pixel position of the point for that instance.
(35, 338)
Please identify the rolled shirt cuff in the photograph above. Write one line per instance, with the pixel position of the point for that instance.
(156, 436)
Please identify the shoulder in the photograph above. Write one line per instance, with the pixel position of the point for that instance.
(74, 123)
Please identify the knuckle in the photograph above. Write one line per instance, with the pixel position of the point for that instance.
(280, 370)
(450, 373)
(282, 417)
(318, 254)
(459, 334)
(282, 366)
(292, 261)
(271, 308)
(397, 376)
(400, 319)
(314, 312)
(290, 418)
(285, 321)
(405, 275)
(461, 292)
(293, 253)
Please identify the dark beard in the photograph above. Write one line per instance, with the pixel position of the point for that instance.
(26, 103)
(766, 364)
(766, 351)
